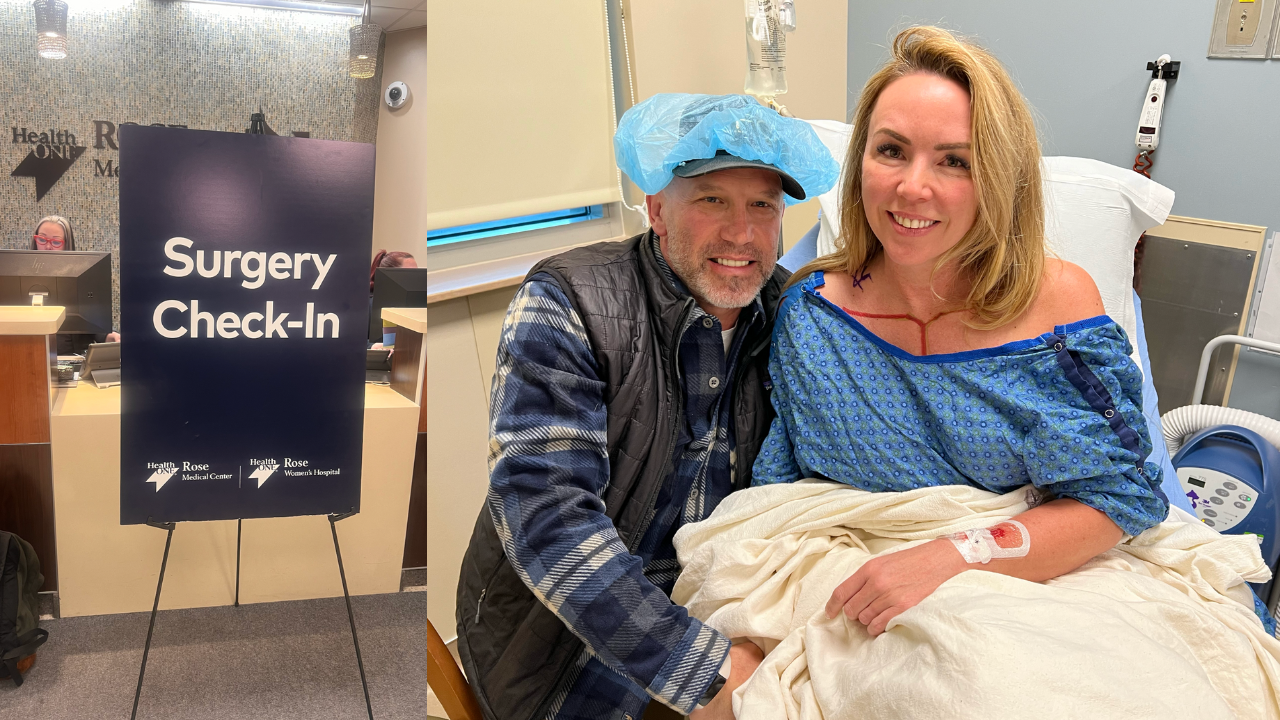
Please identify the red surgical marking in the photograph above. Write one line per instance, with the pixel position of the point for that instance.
(923, 324)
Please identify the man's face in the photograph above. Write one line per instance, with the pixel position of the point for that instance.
(719, 232)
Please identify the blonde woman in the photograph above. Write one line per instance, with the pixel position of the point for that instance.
(939, 346)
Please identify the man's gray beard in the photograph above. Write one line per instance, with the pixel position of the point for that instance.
(733, 292)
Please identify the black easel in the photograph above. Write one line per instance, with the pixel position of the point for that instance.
(239, 529)
(155, 608)
(351, 618)
(257, 126)
(146, 650)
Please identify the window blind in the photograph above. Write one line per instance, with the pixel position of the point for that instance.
(519, 114)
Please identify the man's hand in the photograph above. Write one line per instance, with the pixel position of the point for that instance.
(887, 585)
(745, 658)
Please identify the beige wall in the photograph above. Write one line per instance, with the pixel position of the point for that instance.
(462, 343)
(400, 199)
(699, 47)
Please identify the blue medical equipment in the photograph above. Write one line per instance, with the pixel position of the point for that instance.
(1227, 473)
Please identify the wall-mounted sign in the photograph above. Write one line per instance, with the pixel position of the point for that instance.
(54, 151)
(244, 299)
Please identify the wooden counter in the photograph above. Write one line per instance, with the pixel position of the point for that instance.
(31, 319)
(26, 483)
(408, 377)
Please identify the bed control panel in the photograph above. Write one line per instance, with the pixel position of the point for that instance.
(1220, 500)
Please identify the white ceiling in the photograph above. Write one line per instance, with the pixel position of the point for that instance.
(393, 15)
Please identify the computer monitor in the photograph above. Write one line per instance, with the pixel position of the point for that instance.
(395, 287)
(80, 281)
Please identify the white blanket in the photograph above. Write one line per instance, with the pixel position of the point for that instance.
(1162, 626)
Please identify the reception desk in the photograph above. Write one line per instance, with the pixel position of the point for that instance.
(26, 482)
(409, 377)
(105, 567)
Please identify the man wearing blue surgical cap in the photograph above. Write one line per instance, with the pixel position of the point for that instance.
(631, 397)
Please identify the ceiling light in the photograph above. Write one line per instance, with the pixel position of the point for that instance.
(51, 29)
(365, 39)
(318, 7)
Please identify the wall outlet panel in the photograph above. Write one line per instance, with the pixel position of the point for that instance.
(1243, 29)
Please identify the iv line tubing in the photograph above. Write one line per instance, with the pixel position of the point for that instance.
(622, 196)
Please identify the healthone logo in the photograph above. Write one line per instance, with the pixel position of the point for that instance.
(163, 471)
(55, 151)
(264, 469)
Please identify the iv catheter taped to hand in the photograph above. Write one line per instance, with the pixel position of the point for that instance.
(1008, 539)
(658, 134)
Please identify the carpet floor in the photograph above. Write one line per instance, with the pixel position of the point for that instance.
(271, 661)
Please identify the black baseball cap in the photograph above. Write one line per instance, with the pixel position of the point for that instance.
(725, 161)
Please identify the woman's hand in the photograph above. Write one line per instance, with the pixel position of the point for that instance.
(1064, 534)
(746, 657)
(889, 584)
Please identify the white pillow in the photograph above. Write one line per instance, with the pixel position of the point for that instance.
(835, 135)
(1094, 214)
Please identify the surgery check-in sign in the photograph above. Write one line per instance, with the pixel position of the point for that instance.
(243, 311)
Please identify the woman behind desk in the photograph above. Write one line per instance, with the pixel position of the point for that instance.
(54, 234)
(384, 259)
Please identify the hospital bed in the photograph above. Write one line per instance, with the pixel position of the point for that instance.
(807, 247)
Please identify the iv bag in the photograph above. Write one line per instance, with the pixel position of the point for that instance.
(767, 25)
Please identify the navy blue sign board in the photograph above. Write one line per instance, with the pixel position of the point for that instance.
(244, 300)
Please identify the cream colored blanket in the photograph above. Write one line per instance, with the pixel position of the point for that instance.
(1162, 626)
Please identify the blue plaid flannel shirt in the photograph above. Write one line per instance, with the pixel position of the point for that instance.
(549, 465)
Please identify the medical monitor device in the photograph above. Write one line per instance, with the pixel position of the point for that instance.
(80, 281)
(395, 287)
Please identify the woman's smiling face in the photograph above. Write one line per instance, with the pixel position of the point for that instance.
(917, 189)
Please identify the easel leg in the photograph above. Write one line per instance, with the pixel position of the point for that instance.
(333, 520)
(239, 527)
(146, 650)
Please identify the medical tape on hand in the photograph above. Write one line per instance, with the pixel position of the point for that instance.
(1008, 539)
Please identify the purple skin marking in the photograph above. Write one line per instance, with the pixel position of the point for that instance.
(857, 282)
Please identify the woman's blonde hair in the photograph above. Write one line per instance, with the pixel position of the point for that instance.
(1003, 253)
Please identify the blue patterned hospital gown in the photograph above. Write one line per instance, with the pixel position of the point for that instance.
(1062, 411)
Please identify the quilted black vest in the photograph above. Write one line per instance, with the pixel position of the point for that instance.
(515, 651)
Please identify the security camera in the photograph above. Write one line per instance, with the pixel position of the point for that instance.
(397, 95)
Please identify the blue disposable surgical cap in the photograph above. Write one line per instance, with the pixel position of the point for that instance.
(666, 130)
